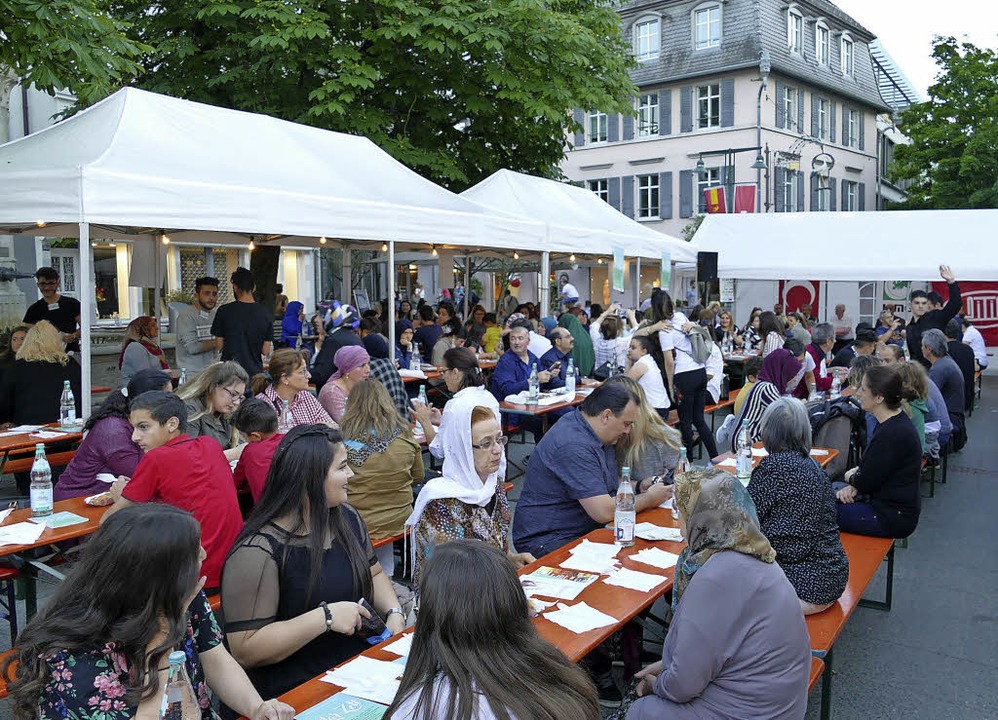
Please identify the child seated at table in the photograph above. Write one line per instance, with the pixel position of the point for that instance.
(256, 421)
(189, 473)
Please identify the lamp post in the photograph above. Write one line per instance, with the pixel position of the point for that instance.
(764, 69)
(729, 162)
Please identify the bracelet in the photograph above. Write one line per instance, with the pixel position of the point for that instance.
(329, 615)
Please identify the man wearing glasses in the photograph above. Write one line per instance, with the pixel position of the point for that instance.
(60, 310)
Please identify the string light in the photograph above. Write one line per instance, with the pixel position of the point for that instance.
(322, 240)
(434, 251)
(165, 239)
(599, 261)
(572, 257)
(252, 246)
(516, 255)
(40, 223)
(384, 247)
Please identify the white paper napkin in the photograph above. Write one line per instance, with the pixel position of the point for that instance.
(818, 451)
(400, 647)
(580, 618)
(656, 557)
(633, 580)
(22, 533)
(653, 532)
(728, 462)
(759, 452)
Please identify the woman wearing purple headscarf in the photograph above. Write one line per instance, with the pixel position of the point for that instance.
(778, 376)
(353, 365)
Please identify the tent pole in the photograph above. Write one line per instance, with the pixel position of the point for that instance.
(86, 296)
(158, 281)
(391, 300)
(545, 287)
(467, 283)
(637, 282)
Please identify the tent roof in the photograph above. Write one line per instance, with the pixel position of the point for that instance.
(137, 162)
(576, 218)
(885, 245)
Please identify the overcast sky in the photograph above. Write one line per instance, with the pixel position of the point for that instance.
(906, 29)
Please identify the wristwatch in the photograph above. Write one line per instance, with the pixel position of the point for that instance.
(395, 611)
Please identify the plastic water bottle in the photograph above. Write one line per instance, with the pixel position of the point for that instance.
(624, 516)
(41, 484)
(183, 376)
(67, 406)
(415, 362)
(179, 701)
(533, 385)
(570, 378)
(287, 419)
(743, 461)
(836, 388)
(421, 398)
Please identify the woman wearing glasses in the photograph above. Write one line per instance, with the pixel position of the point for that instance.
(469, 500)
(286, 382)
(211, 398)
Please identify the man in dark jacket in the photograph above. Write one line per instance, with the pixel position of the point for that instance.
(925, 319)
(963, 355)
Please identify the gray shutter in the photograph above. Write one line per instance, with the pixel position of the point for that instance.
(665, 112)
(814, 115)
(814, 192)
(862, 131)
(800, 191)
(685, 193)
(800, 111)
(613, 127)
(831, 194)
(843, 195)
(580, 136)
(845, 126)
(781, 108)
(781, 176)
(665, 195)
(861, 196)
(686, 110)
(613, 192)
(831, 121)
(628, 129)
(727, 102)
(627, 195)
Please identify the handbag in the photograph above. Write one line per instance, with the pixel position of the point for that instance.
(605, 370)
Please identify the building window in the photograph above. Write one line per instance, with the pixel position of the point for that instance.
(597, 127)
(708, 106)
(821, 43)
(711, 177)
(850, 196)
(795, 30)
(824, 191)
(790, 107)
(648, 115)
(848, 58)
(822, 118)
(647, 196)
(647, 39)
(791, 183)
(601, 188)
(707, 27)
(851, 130)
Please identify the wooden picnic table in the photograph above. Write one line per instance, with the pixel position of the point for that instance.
(823, 456)
(22, 445)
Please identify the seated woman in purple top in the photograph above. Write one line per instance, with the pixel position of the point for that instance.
(737, 646)
(107, 445)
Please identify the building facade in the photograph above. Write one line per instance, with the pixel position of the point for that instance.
(705, 118)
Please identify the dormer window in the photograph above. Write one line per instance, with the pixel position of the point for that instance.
(795, 30)
(848, 55)
(707, 26)
(647, 39)
(821, 35)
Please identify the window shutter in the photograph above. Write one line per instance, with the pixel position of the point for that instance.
(814, 115)
(686, 110)
(628, 129)
(861, 196)
(862, 131)
(727, 102)
(831, 194)
(831, 121)
(685, 193)
(613, 127)
(800, 111)
(627, 195)
(800, 191)
(665, 112)
(781, 108)
(580, 136)
(845, 184)
(781, 176)
(845, 126)
(665, 195)
(814, 192)
(613, 192)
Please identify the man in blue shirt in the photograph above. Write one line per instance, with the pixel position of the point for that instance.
(571, 478)
(562, 343)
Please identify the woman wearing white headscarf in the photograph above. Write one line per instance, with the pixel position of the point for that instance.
(469, 500)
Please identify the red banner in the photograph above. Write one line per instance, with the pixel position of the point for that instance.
(794, 293)
(745, 199)
(715, 200)
(980, 301)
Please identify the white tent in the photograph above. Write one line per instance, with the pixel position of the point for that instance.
(860, 246)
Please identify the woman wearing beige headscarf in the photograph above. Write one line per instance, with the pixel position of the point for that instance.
(737, 646)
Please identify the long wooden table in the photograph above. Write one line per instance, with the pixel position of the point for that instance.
(823, 456)
(24, 443)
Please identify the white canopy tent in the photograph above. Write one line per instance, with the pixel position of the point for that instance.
(140, 165)
(847, 246)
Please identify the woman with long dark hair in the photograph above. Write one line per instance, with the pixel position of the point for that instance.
(772, 331)
(477, 655)
(647, 369)
(107, 445)
(14, 342)
(293, 581)
(100, 646)
(140, 350)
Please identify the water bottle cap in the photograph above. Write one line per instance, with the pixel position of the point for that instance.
(177, 657)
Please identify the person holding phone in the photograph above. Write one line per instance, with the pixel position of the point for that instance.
(555, 360)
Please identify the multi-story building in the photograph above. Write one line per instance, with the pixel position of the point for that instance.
(725, 88)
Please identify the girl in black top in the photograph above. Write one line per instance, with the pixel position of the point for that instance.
(882, 497)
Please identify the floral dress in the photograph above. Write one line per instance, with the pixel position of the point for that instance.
(92, 683)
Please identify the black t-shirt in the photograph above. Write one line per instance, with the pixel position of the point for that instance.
(62, 314)
(244, 328)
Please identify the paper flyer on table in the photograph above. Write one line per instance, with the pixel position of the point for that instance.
(633, 580)
(557, 582)
(580, 618)
(343, 707)
(656, 557)
(653, 532)
(59, 519)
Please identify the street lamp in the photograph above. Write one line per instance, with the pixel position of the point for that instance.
(729, 176)
(760, 164)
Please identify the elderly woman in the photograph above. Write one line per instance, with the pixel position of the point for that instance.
(211, 398)
(353, 364)
(140, 351)
(777, 377)
(737, 646)
(796, 508)
(611, 336)
(285, 386)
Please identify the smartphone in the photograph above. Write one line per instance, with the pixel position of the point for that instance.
(373, 629)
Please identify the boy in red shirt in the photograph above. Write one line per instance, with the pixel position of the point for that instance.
(189, 473)
(256, 421)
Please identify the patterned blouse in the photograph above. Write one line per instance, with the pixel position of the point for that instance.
(451, 519)
(91, 683)
(305, 409)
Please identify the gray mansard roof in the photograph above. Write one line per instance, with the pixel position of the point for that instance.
(744, 33)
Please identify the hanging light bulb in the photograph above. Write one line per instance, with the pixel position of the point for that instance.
(322, 240)
(599, 261)
(434, 251)
(516, 255)
(40, 223)
(252, 246)
(572, 257)
(165, 239)
(384, 247)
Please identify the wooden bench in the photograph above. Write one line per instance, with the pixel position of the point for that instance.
(865, 554)
(23, 463)
(215, 601)
(817, 668)
(6, 677)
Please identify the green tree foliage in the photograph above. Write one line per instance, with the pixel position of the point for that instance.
(953, 156)
(455, 89)
(66, 44)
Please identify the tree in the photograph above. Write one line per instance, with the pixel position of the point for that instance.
(67, 44)
(454, 89)
(953, 156)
